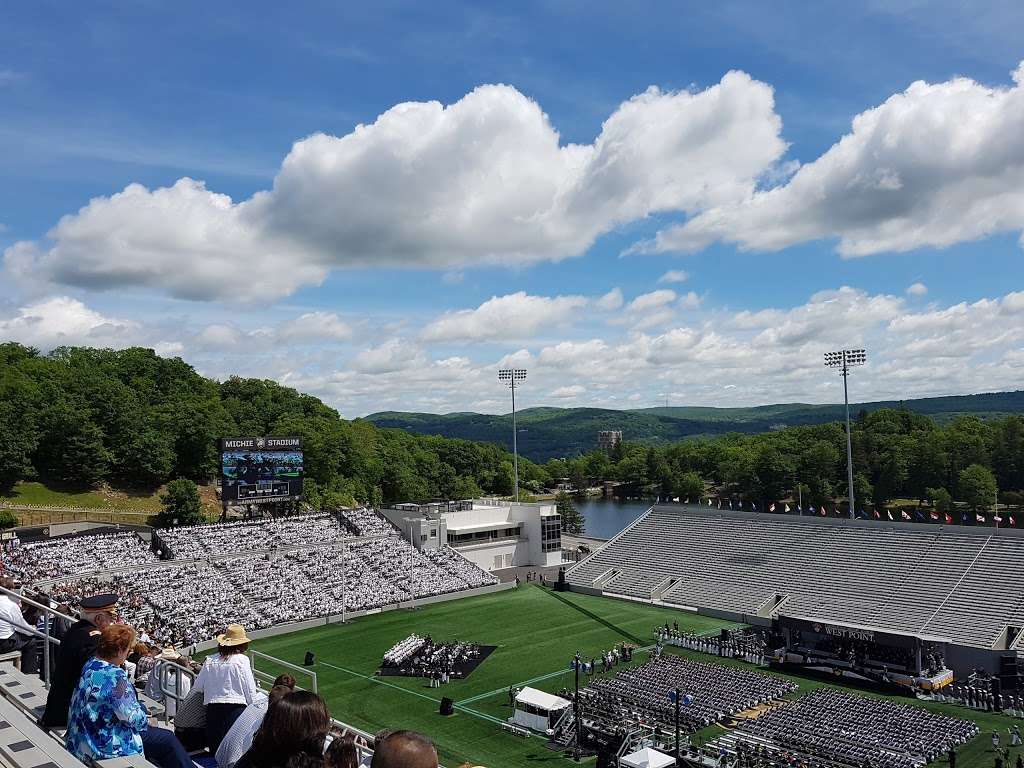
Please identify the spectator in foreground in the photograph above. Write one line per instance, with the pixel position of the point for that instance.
(15, 632)
(240, 735)
(295, 727)
(190, 721)
(227, 683)
(404, 749)
(342, 753)
(106, 719)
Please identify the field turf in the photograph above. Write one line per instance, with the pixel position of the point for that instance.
(536, 632)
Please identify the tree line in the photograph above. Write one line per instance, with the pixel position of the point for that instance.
(80, 417)
(897, 454)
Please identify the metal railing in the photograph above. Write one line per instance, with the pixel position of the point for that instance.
(52, 614)
(169, 672)
(267, 677)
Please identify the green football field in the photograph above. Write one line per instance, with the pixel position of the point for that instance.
(536, 632)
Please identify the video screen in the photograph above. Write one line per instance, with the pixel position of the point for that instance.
(250, 476)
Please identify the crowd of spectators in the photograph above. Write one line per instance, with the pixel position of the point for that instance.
(73, 555)
(184, 603)
(710, 692)
(829, 727)
(200, 541)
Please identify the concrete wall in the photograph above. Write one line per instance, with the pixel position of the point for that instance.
(301, 626)
(483, 554)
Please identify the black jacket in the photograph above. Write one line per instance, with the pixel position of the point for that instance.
(76, 648)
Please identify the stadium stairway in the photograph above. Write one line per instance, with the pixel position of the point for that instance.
(25, 744)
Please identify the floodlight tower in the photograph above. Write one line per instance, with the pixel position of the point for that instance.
(510, 377)
(844, 359)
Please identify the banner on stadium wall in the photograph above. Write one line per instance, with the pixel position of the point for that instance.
(257, 470)
(845, 632)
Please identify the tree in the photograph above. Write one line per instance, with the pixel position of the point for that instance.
(688, 485)
(181, 504)
(572, 521)
(940, 498)
(16, 447)
(7, 519)
(977, 487)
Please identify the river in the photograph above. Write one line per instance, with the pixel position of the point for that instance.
(606, 517)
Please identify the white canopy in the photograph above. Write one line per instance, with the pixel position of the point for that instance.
(647, 758)
(541, 700)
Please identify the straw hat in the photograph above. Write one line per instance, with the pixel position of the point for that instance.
(169, 654)
(233, 635)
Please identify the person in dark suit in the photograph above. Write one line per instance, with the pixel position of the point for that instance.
(77, 647)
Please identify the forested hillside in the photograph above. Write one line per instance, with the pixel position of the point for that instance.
(546, 433)
(78, 417)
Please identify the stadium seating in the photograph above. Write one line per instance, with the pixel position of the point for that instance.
(265, 572)
(941, 581)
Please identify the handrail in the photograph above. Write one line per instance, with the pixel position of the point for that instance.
(53, 613)
(304, 670)
(162, 668)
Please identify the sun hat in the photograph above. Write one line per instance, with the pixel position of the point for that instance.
(233, 635)
(169, 654)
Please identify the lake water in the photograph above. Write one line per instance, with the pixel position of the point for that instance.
(606, 517)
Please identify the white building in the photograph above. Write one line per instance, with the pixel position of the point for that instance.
(493, 533)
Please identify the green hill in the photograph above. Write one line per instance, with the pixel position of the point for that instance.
(546, 433)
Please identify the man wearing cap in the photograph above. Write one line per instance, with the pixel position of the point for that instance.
(77, 647)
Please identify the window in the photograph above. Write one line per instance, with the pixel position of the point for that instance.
(551, 533)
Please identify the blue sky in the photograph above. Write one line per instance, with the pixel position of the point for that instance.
(788, 248)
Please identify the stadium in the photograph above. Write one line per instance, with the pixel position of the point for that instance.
(760, 639)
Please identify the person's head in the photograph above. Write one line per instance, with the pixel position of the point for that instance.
(277, 693)
(404, 749)
(286, 680)
(234, 640)
(342, 753)
(297, 722)
(115, 643)
(142, 649)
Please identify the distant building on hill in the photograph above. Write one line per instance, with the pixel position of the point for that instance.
(607, 439)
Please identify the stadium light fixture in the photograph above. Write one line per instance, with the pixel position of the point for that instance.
(844, 359)
(510, 377)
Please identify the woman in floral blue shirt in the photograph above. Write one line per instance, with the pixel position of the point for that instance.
(106, 719)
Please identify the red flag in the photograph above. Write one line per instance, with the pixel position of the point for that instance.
(877, 516)
(1012, 521)
(949, 519)
(935, 515)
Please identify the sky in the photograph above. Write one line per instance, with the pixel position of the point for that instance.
(640, 203)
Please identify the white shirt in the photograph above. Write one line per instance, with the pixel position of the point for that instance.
(239, 737)
(11, 619)
(154, 685)
(227, 680)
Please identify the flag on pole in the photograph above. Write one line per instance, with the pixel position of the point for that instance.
(998, 519)
(730, 503)
(979, 518)
(1012, 521)
(709, 501)
(877, 515)
(949, 519)
(934, 515)
(719, 502)
(823, 512)
(787, 509)
(687, 499)
(889, 513)
(905, 515)
(772, 507)
(963, 518)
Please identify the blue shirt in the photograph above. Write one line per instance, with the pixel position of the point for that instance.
(106, 719)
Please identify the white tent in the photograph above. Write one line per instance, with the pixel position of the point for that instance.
(647, 758)
(537, 710)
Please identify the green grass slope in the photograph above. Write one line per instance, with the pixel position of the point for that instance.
(546, 432)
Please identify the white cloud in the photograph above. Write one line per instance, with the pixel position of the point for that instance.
(62, 321)
(515, 316)
(392, 356)
(934, 165)
(610, 301)
(674, 276)
(315, 326)
(917, 289)
(568, 392)
(10, 77)
(482, 181)
(691, 300)
(653, 300)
